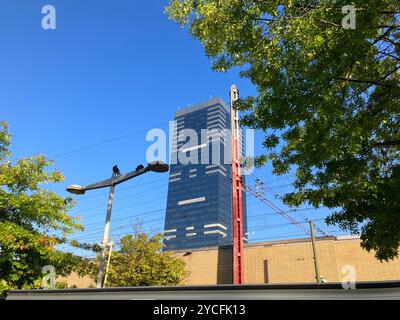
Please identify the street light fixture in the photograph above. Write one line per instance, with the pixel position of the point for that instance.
(158, 166)
(155, 166)
(76, 189)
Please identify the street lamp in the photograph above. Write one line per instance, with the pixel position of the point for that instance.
(155, 166)
(75, 189)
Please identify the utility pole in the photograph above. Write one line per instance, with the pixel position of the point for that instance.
(108, 263)
(316, 266)
(105, 236)
(237, 208)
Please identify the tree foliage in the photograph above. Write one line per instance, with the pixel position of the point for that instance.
(140, 262)
(328, 100)
(33, 220)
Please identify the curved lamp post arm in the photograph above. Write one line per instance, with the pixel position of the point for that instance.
(113, 181)
(126, 176)
(155, 166)
(98, 185)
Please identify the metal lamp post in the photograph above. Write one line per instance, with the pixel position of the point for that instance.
(155, 166)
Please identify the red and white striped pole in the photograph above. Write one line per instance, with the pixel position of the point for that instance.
(237, 208)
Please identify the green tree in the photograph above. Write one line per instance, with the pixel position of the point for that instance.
(140, 262)
(328, 99)
(33, 221)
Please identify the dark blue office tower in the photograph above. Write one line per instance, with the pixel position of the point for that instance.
(199, 202)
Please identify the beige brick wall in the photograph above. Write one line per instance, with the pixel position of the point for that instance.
(289, 262)
(281, 262)
(74, 280)
(368, 268)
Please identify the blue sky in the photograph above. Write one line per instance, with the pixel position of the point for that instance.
(111, 71)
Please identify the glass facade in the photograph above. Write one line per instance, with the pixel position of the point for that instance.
(199, 201)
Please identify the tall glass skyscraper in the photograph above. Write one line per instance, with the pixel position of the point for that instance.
(199, 202)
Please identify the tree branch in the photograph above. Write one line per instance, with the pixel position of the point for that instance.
(389, 143)
(363, 81)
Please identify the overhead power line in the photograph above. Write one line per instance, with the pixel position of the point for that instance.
(119, 209)
(261, 195)
(87, 147)
(263, 199)
(80, 198)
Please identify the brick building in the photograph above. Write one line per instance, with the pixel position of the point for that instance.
(288, 261)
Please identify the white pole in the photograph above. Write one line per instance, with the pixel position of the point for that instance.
(108, 263)
(105, 237)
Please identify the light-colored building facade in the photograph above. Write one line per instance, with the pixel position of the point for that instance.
(288, 261)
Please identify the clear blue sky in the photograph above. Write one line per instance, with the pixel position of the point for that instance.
(110, 69)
